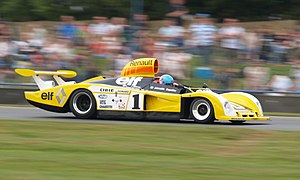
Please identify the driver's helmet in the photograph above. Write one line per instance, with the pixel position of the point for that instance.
(166, 79)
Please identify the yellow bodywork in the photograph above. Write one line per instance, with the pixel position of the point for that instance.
(159, 102)
(62, 73)
(58, 96)
(155, 101)
(247, 107)
(251, 111)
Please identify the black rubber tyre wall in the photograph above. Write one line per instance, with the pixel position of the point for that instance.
(92, 113)
(210, 118)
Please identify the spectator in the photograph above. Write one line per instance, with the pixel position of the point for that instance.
(135, 33)
(279, 48)
(60, 54)
(170, 34)
(67, 29)
(266, 39)
(230, 36)
(5, 50)
(4, 28)
(176, 61)
(120, 61)
(39, 36)
(251, 40)
(82, 34)
(295, 72)
(117, 25)
(256, 76)
(113, 40)
(98, 47)
(100, 26)
(176, 11)
(203, 36)
(281, 83)
(294, 51)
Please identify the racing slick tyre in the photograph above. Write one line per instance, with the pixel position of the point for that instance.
(83, 104)
(202, 111)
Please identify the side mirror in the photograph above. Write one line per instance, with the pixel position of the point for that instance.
(204, 85)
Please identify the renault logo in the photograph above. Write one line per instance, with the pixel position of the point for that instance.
(60, 96)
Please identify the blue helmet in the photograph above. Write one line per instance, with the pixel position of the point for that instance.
(166, 79)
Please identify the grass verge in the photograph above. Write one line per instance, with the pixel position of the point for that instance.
(65, 150)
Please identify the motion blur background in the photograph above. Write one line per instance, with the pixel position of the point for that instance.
(248, 44)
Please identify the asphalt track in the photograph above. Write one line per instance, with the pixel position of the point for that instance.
(31, 113)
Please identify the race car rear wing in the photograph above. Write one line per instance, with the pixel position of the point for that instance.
(47, 84)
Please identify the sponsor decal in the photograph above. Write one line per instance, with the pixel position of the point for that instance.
(170, 90)
(123, 91)
(121, 105)
(102, 102)
(128, 81)
(163, 89)
(159, 88)
(60, 96)
(102, 96)
(106, 90)
(117, 100)
(238, 118)
(105, 106)
(47, 95)
(141, 63)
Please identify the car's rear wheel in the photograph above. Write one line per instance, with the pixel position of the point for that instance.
(202, 111)
(83, 104)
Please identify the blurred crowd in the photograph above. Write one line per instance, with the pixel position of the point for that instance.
(175, 41)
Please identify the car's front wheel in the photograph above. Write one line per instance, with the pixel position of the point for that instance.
(202, 111)
(83, 104)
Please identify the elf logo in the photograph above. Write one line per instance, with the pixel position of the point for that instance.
(47, 95)
(127, 81)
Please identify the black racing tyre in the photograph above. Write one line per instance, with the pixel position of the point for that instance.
(202, 111)
(83, 104)
(237, 122)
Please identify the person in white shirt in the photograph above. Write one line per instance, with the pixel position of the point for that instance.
(101, 27)
(171, 34)
(5, 50)
(230, 36)
(203, 36)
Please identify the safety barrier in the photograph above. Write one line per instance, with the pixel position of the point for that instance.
(14, 93)
(286, 102)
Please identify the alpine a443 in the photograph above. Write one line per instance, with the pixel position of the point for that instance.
(136, 95)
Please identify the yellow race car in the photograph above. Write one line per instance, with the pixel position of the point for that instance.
(136, 95)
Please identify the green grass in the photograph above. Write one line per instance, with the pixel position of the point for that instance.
(67, 150)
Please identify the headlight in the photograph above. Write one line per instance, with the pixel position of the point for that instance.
(229, 111)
